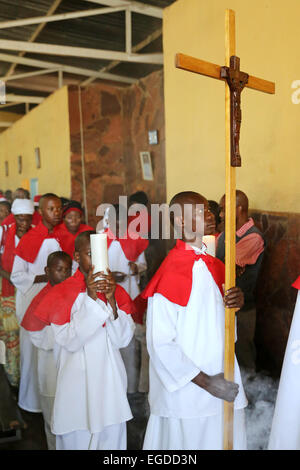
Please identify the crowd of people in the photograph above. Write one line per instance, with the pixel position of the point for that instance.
(78, 342)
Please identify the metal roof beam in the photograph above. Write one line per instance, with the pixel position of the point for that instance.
(59, 17)
(135, 7)
(65, 68)
(150, 38)
(71, 51)
(35, 34)
(7, 105)
(6, 123)
(28, 74)
(23, 98)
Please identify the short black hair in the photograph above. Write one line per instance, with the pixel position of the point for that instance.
(7, 204)
(140, 197)
(26, 192)
(56, 256)
(47, 196)
(83, 237)
(64, 200)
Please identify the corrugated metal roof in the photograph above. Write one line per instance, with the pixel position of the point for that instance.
(99, 32)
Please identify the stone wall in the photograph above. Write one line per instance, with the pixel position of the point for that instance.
(115, 124)
(275, 296)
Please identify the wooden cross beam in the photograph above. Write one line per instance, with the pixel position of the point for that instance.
(235, 82)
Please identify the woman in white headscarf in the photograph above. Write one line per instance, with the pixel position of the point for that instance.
(22, 209)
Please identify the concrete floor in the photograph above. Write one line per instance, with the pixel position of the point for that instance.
(33, 437)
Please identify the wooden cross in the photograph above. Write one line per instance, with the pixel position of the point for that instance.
(235, 81)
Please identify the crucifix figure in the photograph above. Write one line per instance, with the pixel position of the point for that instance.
(235, 82)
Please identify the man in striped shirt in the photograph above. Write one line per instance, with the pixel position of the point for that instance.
(250, 246)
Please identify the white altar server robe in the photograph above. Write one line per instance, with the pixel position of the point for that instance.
(22, 276)
(182, 341)
(285, 431)
(91, 380)
(118, 262)
(43, 340)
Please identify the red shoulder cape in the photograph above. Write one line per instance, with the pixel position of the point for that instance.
(7, 260)
(30, 321)
(67, 239)
(57, 304)
(174, 277)
(133, 245)
(31, 242)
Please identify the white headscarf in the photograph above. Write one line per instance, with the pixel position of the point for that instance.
(22, 206)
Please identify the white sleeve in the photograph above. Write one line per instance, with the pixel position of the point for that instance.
(43, 339)
(20, 277)
(120, 331)
(173, 367)
(84, 322)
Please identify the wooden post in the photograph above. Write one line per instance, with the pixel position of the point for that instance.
(229, 74)
(230, 229)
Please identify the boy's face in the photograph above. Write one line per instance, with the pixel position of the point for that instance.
(51, 211)
(59, 271)
(23, 223)
(83, 257)
(222, 209)
(209, 222)
(196, 217)
(72, 221)
(20, 194)
(3, 212)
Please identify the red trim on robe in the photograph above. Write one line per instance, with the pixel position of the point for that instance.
(30, 244)
(57, 305)
(67, 239)
(133, 245)
(7, 260)
(30, 321)
(141, 307)
(174, 277)
(297, 283)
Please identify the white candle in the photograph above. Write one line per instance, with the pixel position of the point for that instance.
(210, 242)
(99, 252)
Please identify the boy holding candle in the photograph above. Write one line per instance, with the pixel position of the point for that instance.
(126, 254)
(90, 320)
(185, 340)
(29, 278)
(59, 268)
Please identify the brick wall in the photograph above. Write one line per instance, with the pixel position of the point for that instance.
(115, 125)
(275, 296)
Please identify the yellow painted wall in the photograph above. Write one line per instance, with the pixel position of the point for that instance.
(47, 127)
(268, 45)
